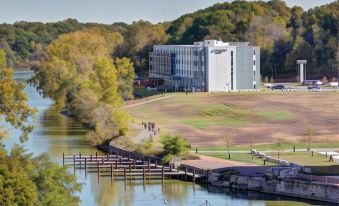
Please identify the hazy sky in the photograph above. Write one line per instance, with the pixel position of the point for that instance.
(109, 11)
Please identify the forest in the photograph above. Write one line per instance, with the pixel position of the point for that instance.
(283, 33)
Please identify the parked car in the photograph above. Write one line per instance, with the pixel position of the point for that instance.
(291, 89)
(333, 84)
(268, 85)
(278, 87)
(314, 88)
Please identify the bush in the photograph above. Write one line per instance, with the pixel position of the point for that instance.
(174, 146)
(324, 80)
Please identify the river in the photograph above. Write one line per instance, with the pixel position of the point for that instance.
(55, 133)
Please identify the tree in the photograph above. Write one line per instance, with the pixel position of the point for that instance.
(79, 73)
(324, 80)
(125, 77)
(277, 146)
(13, 106)
(309, 132)
(227, 142)
(24, 179)
(173, 146)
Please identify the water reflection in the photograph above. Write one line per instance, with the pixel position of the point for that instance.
(55, 133)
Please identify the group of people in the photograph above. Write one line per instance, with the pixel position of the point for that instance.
(150, 126)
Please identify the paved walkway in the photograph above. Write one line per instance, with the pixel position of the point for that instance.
(144, 134)
(210, 163)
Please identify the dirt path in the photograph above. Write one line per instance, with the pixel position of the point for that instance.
(145, 102)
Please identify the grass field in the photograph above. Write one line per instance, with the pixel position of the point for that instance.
(268, 147)
(320, 165)
(248, 118)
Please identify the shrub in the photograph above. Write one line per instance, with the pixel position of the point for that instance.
(174, 146)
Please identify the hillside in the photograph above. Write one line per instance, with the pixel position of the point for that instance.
(284, 35)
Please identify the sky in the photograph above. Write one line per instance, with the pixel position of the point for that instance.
(110, 11)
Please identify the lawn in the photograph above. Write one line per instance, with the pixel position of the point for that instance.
(247, 117)
(320, 165)
(231, 115)
(269, 147)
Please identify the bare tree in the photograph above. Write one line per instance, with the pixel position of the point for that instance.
(227, 142)
(309, 132)
(277, 146)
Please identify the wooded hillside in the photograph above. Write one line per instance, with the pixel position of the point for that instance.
(284, 35)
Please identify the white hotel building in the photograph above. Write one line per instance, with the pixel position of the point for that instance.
(210, 65)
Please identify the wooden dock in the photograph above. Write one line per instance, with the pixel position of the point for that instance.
(121, 167)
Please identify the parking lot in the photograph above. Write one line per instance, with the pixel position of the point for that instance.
(291, 87)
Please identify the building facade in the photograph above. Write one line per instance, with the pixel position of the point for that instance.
(207, 66)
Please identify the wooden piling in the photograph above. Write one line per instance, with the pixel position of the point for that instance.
(107, 157)
(120, 159)
(125, 173)
(111, 172)
(63, 159)
(143, 173)
(185, 173)
(96, 155)
(156, 163)
(193, 179)
(134, 164)
(102, 160)
(162, 174)
(80, 155)
(98, 164)
(85, 165)
(116, 164)
(74, 163)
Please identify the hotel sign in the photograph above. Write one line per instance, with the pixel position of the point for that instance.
(218, 51)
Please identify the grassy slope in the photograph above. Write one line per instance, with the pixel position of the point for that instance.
(194, 111)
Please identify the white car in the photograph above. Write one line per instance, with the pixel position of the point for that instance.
(291, 89)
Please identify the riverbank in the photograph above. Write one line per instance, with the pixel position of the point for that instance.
(278, 180)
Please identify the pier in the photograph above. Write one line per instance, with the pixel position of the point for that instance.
(125, 167)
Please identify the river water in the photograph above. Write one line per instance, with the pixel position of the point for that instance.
(55, 133)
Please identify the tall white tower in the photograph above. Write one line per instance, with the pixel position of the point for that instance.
(302, 70)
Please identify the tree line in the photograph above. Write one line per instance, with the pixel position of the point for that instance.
(283, 33)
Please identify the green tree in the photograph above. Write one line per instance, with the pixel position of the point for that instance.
(174, 146)
(79, 73)
(13, 106)
(125, 76)
(24, 179)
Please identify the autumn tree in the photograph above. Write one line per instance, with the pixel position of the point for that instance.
(24, 179)
(80, 74)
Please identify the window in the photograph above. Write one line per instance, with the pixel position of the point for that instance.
(232, 70)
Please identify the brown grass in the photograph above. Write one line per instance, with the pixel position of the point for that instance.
(242, 117)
